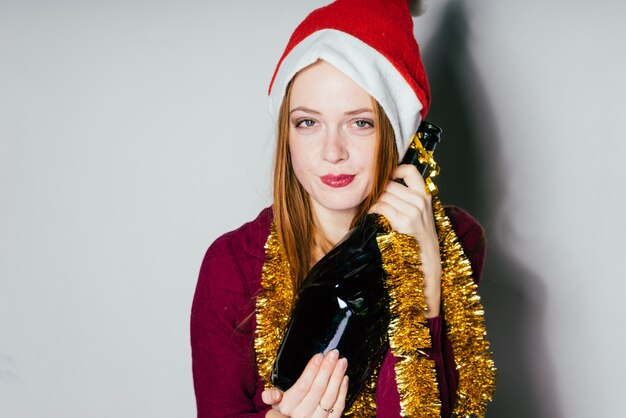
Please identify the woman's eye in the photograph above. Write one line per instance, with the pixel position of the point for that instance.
(362, 123)
(306, 123)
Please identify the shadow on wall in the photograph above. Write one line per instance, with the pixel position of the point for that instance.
(472, 177)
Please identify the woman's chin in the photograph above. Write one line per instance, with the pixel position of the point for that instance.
(342, 206)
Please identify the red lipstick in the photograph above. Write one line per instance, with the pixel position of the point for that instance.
(337, 180)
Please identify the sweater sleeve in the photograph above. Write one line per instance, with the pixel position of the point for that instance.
(222, 336)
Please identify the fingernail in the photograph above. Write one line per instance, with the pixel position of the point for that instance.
(333, 355)
(275, 395)
(317, 360)
(343, 363)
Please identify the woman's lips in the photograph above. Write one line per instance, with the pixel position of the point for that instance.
(338, 180)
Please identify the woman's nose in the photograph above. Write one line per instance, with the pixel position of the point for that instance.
(334, 149)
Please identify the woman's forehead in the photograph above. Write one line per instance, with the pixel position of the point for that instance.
(322, 86)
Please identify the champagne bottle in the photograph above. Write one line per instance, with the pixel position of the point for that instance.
(342, 303)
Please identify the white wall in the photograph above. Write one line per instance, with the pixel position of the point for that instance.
(132, 133)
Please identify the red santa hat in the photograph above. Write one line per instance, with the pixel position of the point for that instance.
(372, 42)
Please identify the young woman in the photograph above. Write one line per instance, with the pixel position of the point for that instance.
(348, 99)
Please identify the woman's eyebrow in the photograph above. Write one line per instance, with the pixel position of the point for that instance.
(361, 110)
(304, 109)
(315, 112)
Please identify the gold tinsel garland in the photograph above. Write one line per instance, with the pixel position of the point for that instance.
(408, 332)
(273, 306)
(464, 316)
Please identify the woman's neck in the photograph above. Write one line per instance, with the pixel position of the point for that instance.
(332, 225)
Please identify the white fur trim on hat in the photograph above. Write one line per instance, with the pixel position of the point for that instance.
(363, 64)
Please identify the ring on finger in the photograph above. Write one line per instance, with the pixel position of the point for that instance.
(329, 410)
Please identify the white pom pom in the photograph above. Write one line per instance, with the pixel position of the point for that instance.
(418, 7)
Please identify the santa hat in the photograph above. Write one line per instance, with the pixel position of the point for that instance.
(372, 42)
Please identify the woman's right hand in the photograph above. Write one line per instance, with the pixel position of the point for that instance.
(319, 392)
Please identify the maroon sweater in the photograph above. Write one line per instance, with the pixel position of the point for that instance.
(226, 380)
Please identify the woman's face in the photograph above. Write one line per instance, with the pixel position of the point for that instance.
(332, 139)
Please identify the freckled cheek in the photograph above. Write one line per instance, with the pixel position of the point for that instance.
(302, 170)
(303, 158)
(297, 168)
(368, 174)
(365, 160)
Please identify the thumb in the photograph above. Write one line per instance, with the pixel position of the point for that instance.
(271, 396)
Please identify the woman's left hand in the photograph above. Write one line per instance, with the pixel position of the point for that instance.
(409, 211)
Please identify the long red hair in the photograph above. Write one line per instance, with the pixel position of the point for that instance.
(293, 216)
